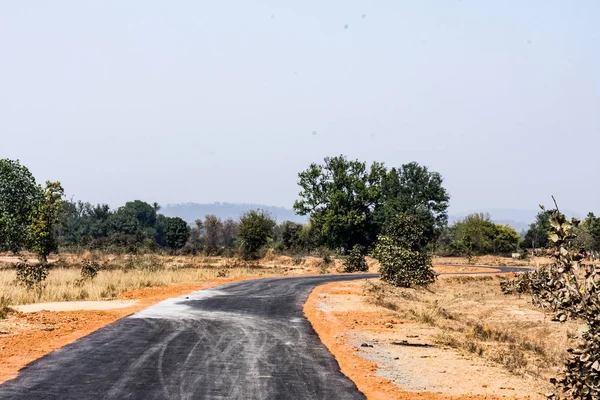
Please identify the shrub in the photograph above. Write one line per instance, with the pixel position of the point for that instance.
(89, 269)
(572, 291)
(254, 231)
(402, 252)
(4, 307)
(355, 261)
(31, 275)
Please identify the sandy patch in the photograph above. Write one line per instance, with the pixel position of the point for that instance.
(461, 269)
(75, 305)
(370, 346)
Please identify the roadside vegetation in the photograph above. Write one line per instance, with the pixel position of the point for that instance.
(471, 314)
(99, 276)
(397, 215)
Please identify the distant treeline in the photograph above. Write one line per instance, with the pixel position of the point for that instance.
(349, 205)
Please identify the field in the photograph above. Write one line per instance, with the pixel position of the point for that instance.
(502, 343)
(470, 338)
(122, 273)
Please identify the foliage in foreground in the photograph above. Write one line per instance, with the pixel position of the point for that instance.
(571, 291)
(402, 251)
(32, 275)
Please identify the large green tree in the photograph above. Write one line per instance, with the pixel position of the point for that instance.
(412, 188)
(350, 203)
(340, 196)
(19, 194)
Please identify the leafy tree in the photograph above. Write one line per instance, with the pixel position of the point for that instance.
(195, 242)
(537, 234)
(18, 196)
(290, 236)
(477, 234)
(255, 229)
(506, 239)
(44, 217)
(402, 251)
(83, 224)
(213, 240)
(133, 225)
(413, 187)
(340, 195)
(229, 233)
(176, 233)
(592, 225)
(309, 238)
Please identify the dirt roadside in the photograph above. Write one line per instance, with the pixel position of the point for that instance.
(370, 345)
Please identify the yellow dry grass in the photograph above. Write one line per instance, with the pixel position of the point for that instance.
(471, 314)
(494, 261)
(124, 273)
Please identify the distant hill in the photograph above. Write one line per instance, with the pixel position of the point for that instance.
(190, 212)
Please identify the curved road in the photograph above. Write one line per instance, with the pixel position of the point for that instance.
(243, 340)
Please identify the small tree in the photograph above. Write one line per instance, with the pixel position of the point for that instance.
(213, 240)
(355, 261)
(176, 233)
(44, 218)
(254, 231)
(402, 251)
(290, 236)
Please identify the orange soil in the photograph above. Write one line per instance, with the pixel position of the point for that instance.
(452, 269)
(332, 327)
(33, 335)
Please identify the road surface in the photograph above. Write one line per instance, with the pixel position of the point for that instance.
(244, 340)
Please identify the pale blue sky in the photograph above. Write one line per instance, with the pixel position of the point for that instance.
(217, 101)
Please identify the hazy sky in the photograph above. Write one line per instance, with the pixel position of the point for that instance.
(229, 100)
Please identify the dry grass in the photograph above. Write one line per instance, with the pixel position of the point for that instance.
(472, 315)
(494, 261)
(119, 274)
(4, 307)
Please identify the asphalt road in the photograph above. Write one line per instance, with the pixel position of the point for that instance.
(244, 340)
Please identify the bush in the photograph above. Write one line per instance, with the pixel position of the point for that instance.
(403, 267)
(355, 261)
(31, 275)
(402, 251)
(4, 307)
(572, 291)
(89, 269)
(255, 229)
